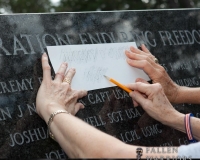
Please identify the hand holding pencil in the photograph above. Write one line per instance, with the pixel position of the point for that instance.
(118, 84)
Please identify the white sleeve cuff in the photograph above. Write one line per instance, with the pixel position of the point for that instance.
(189, 151)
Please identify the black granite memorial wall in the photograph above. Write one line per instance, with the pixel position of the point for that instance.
(173, 36)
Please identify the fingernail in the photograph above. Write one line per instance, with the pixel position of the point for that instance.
(128, 60)
(45, 54)
(65, 63)
(138, 80)
(126, 51)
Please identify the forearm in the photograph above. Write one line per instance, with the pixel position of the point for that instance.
(177, 122)
(188, 95)
(80, 140)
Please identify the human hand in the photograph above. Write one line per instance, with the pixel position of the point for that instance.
(57, 94)
(155, 102)
(143, 59)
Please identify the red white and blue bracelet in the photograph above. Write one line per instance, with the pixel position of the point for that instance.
(188, 127)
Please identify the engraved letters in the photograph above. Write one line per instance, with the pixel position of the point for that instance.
(174, 37)
(16, 86)
(180, 37)
(19, 138)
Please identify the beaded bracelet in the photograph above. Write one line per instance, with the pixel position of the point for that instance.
(51, 119)
(188, 127)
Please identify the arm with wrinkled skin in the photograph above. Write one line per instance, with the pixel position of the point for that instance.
(143, 59)
(156, 104)
(77, 138)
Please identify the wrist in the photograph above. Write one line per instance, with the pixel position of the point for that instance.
(50, 108)
(176, 120)
(171, 90)
(180, 98)
(176, 93)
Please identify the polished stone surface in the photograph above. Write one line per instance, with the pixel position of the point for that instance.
(173, 36)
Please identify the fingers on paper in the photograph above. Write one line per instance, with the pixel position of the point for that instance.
(61, 72)
(134, 56)
(69, 75)
(46, 68)
(135, 50)
(143, 50)
(142, 64)
(139, 86)
(143, 54)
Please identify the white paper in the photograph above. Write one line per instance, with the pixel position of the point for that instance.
(92, 61)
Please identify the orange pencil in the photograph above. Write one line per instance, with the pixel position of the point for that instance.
(119, 84)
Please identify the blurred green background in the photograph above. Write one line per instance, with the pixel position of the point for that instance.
(39, 6)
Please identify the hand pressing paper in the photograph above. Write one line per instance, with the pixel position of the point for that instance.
(93, 61)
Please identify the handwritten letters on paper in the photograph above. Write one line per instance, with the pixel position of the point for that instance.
(94, 61)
